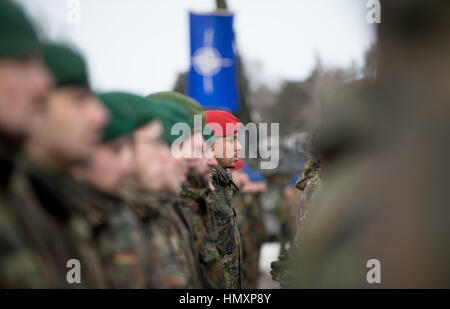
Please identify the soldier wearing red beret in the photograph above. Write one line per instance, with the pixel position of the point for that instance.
(222, 225)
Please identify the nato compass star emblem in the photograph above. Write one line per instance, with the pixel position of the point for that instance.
(207, 61)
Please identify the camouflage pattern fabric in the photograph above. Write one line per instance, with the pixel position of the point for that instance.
(222, 226)
(21, 266)
(194, 208)
(118, 234)
(55, 231)
(172, 259)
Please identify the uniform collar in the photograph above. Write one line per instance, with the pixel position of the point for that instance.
(223, 175)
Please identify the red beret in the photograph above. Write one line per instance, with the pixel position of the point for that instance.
(224, 120)
(239, 165)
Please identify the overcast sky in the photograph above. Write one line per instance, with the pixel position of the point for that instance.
(140, 45)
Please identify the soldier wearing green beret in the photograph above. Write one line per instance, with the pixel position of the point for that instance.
(24, 82)
(151, 194)
(195, 193)
(119, 235)
(189, 104)
(65, 132)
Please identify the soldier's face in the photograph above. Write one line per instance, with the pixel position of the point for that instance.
(185, 155)
(69, 126)
(110, 166)
(200, 158)
(154, 164)
(24, 82)
(226, 150)
(204, 165)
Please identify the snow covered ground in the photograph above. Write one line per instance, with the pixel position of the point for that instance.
(269, 253)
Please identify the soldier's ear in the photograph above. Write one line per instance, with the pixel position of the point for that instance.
(213, 146)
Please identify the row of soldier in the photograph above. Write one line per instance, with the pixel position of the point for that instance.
(91, 192)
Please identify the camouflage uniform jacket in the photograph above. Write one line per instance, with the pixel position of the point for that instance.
(171, 260)
(21, 266)
(55, 229)
(223, 228)
(118, 236)
(194, 208)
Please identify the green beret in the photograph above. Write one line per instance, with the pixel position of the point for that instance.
(128, 112)
(67, 66)
(191, 106)
(170, 113)
(17, 35)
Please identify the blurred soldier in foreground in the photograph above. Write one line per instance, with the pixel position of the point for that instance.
(65, 132)
(24, 79)
(222, 225)
(24, 82)
(195, 193)
(159, 173)
(119, 235)
(384, 217)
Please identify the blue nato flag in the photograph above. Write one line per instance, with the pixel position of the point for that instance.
(212, 76)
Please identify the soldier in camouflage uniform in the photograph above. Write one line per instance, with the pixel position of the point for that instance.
(118, 233)
(151, 195)
(222, 224)
(20, 96)
(195, 200)
(172, 261)
(195, 194)
(65, 131)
